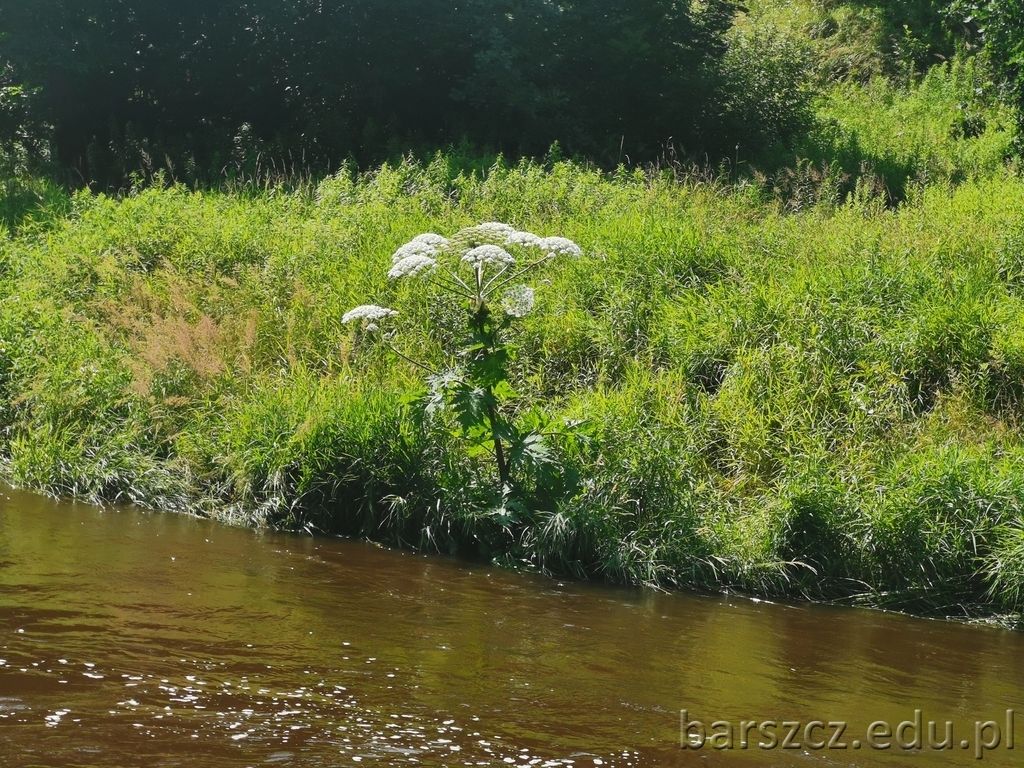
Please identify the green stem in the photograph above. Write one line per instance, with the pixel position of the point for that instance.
(450, 275)
(408, 359)
(479, 321)
(499, 449)
(521, 272)
(449, 285)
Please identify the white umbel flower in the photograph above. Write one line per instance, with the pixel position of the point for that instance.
(493, 228)
(488, 233)
(432, 239)
(559, 246)
(518, 301)
(369, 313)
(527, 239)
(414, 248)
(488, 254)
(412, 265)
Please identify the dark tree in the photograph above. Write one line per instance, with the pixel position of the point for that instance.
(131, 82)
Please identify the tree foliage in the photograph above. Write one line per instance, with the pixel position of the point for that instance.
(129, 80)
(1000, 27)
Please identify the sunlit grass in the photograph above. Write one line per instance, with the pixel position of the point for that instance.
(824, 404)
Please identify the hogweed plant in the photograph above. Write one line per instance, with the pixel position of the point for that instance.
(483, 267)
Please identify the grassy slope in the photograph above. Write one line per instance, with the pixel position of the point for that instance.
(826, 403)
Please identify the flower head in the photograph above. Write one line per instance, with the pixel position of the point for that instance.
(527, 239)
(431, 239)
(488, 254)
(518, 301)
(412, 265)
(488, 233)
(414, 248)
(559, 246)
(368, 313)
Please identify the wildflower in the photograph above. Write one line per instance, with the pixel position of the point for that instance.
(412, 265)
(488, 233)
(559, 246)
(488, 254)
(431, 239)
(527, 239)
(414, 248)
(371, 313)
(518, 301)
(493, 227)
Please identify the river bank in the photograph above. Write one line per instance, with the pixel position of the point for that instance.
(820, 403)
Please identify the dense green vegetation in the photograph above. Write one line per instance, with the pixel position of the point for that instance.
(789, 361)
(824, 403)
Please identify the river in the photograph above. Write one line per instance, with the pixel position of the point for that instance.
(137, 639)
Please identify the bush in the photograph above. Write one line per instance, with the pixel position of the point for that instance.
(768, 91)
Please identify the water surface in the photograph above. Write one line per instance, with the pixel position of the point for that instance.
(131, 639)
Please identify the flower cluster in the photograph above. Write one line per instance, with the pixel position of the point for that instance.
(518, 301)
(488, 233)
(525, 239)
(431, 239)
(413, 248)
(487, 250)
(488, 254)
(368, 314)
(559, 246)
(412, 265)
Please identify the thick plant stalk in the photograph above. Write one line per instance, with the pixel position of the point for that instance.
(499, 449)
(479, 321)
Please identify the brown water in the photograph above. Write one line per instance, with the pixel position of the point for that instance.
(131, 639)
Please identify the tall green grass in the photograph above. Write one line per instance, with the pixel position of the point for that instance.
(945, 127)
(888, 112)
(825, 403)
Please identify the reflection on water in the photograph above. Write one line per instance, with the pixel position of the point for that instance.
(129, 638)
